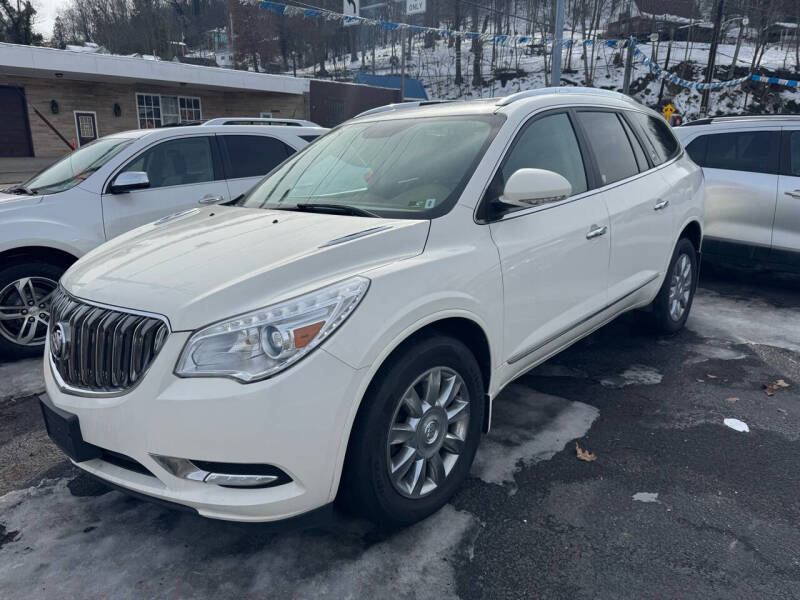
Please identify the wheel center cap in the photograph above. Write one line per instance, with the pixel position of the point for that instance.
(431, 432)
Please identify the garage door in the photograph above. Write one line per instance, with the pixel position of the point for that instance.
(15, 135)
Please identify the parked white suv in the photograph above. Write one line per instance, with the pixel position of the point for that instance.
(752, 173)
(345, 328)
(110, 186)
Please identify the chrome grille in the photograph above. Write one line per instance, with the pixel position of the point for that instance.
(101, 349)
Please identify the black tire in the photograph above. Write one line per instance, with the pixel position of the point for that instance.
(33, 268)
(662, 318)
(367, 488)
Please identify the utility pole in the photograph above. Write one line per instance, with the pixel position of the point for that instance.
(626, 81)
(712, 55)
(558, 38)
(403, 64)
(666, 65)
(743, 22)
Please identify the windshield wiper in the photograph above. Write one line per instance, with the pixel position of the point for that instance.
(347, 209)
(20, 190)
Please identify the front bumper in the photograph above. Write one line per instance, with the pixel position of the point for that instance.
(297, 421)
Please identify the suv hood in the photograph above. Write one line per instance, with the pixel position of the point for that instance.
(204, 265)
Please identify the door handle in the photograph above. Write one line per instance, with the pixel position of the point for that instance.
(661, 205)
(211, 199)
(596, 231)
(794, 194)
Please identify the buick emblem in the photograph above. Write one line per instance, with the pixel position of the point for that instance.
(59, 341)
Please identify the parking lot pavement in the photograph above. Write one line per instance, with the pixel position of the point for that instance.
(675, 505)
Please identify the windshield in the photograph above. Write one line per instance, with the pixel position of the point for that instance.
(76, 166)
(404, 168)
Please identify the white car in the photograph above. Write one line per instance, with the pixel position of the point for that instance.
(110, 186)
(344, 329)
(752, 173)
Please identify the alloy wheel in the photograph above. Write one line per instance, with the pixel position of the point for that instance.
(428, 432)
(25, 310)
(680, 289)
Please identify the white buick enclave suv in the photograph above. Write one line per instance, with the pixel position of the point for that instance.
(343, 330)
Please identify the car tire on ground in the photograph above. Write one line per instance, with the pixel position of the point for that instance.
(25, 288)
(416, 433)
(671, 307)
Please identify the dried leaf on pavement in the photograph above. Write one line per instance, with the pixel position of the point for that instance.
(584, 454)
(771, 388)
(733, 399)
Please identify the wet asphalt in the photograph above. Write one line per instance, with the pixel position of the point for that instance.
(716, 513)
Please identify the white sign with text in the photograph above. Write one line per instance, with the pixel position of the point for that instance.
(415, 7)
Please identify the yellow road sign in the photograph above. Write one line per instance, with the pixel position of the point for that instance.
(667, 111)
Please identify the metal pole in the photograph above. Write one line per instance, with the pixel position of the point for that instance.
(666, 67)
(712, 55)
(626, 82)
(403, 64)
(558, 38)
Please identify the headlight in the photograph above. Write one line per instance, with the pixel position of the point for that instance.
(261, 343)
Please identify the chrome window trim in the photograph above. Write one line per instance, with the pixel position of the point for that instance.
(114, 393)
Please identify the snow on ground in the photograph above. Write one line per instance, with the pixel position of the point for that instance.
(744, 320)
(435, 67)
(59, 535)
(21, 378)
(528, 427)
(634, 375)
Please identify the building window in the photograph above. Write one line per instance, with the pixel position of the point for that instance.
(155, 110)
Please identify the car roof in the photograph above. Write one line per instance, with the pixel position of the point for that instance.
(277, 130)
(519, 102)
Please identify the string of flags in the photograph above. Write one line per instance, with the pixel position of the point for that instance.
(515, 40)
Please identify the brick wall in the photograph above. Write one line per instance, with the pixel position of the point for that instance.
(100, 97)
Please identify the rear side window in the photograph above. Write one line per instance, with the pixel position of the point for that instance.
(662, 144)
(610, 145)
(752, 151)
(794, 153)
(309, 138)
(638, 151)
(253, 155)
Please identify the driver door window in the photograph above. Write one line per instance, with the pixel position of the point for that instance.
(547, 143)
(183, 173)
(176, 162)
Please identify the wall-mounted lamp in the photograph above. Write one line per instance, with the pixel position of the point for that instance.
(59, 75)
(54, 107)
(117, 110)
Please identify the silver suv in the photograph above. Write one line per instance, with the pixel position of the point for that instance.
(752, 171)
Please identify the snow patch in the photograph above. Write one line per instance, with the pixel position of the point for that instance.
(21, 378)
(742, 320)
(634, 375)
(713, 350)
(528, 427)
(146, 551)
(645, 497)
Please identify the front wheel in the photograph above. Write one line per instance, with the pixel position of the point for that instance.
(674, 301)
(416, 434)
(25, 292)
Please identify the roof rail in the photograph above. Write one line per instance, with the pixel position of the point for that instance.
(583, 91)
(734, 118)
(399, 106)
(260, 121)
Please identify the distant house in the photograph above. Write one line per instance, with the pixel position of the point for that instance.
(671, 19)
(783, 32)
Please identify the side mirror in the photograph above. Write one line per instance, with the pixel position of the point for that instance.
(129, 180)
(534, 187)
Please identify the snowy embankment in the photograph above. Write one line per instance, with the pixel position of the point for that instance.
(436, 68)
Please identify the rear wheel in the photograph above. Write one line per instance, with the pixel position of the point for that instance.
(674, 301)
(25, 292)
(416, 435)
